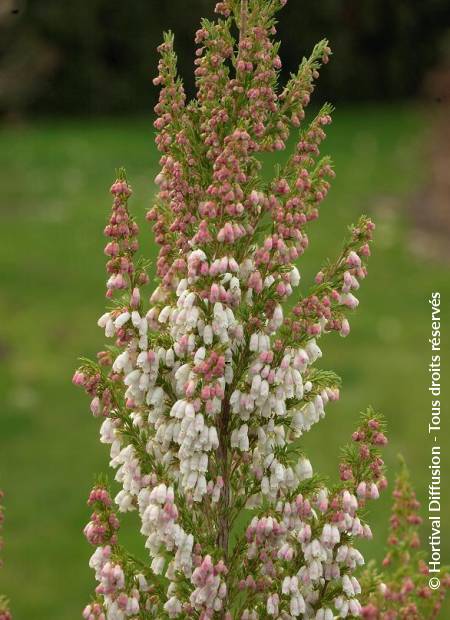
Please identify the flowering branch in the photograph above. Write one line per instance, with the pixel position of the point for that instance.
(208, 388)
(401, 590)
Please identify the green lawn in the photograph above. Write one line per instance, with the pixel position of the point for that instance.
(54, 205)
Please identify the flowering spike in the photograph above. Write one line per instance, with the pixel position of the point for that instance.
(402, 589)
(208, 388)
(122, 232)
(172, 97)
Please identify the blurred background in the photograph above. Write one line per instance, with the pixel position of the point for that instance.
(75, 103)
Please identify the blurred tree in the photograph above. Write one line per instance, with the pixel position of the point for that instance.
(97, 56)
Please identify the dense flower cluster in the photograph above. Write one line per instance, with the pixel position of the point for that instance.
(401, 591)
(207, 389)
(5, 613)
(305, 548)
(121, 592)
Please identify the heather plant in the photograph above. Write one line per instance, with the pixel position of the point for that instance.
(401, 591)
(208, 387)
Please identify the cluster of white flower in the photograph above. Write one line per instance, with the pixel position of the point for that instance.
(264, 403)
(210, 589)
(325, 558)
(181, 389)
(120, 602)
(193, 328)
(198, 376)
(130, 476)
(184, 429)
(290, 588)
(159, 524)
